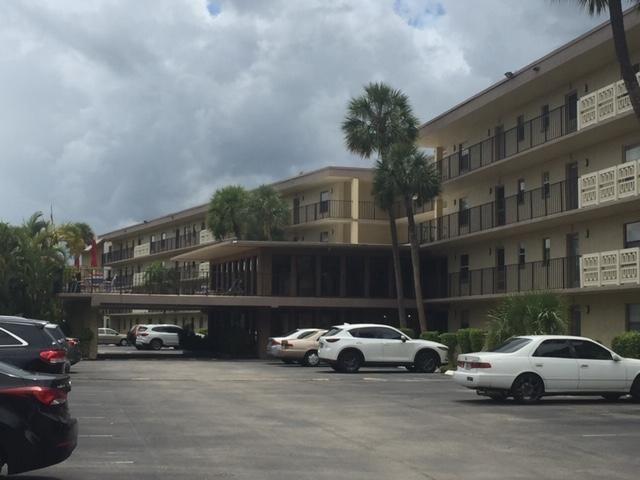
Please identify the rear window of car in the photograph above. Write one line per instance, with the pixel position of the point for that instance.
(142, 329)
(8, 340)
(56, 332)
(306, 334)
(512, 345)
(332, 332)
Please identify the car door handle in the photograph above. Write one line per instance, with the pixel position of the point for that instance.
(584, 366)
(539, 364)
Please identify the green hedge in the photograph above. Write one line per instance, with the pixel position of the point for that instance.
(627, 345)
(431, 336)
(477, 338)
(450, 340)
(464, 342)
(408, 332)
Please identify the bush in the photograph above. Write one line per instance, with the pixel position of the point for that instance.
(451, 341)
(203, 331)
(409, 332)
(85, 337)
(627, 345)
(476, 339)
(464, 342)
(431, 336)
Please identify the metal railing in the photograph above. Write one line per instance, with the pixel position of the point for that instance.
(553, 274)
(321, 210)
(117, 255)
(368, 210)
(174, 243)
(547, 200)
(556, 123)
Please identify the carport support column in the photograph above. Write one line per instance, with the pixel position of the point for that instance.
(83, 321)
(355, 210)
(263, 326)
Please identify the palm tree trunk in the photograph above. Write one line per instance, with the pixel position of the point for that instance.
(415, 263)
(622, 53)
(397, 268)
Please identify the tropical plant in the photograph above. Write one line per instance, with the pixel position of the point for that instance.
(431, 336)
(477, 338)
(227, 214)
(76, 236)
(374, 122)
(616, 16)
(160, 279)
(526, 314)
(415, 181)
(409, 332)
(464, 342)
(268, 214)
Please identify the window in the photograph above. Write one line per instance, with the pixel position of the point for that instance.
(8, 339)
(306, 334)
(554, 349)
(324, 236)
(590, 351)
(464, 159)
(521, 187)
(520, 128)
(631, 153)
(324, 202)
(463, 212)
(544, 118)
(389, 334)
(633, 317)
(632, 235)
(464, 268)
(512, 345)
(521, 254)
(366, 332)
(546, 186)
(546, 250)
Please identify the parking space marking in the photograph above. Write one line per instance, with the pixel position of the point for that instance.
(373, 379)
(95, 436)
(601, 435)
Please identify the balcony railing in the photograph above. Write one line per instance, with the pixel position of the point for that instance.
(605, 103)
(174, 243)
(616, 267)
(320, 211)
(553, 274)
(537, 131)
(609, 184)
(368, 210)
(540, 202)
(117, 255)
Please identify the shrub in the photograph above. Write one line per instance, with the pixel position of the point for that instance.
(431, 336)
(85, 337)
(476, 339)
(627, 345)
(451, 341)
(464, 342)
(203, 331)
(409, 332)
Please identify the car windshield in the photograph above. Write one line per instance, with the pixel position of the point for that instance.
(512, 345)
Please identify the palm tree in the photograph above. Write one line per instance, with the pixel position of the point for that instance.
(597, 7)
(76, 236)
(268, 213)
(228, 212)
(416, 181)
(375, 121)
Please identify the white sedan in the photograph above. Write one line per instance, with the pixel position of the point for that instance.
(530, 367)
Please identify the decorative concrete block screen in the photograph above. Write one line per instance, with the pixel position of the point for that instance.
(142, 250)
(604, 104)
(616, 267)
(608, 184)
(206, 236)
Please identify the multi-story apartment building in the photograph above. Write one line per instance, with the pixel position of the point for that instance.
(540, 189)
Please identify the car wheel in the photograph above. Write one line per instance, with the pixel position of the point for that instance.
(350, 361)
(138, 347)
(611, 397)
(426, 362)
(527, 388)
(336, 368)
(123, 343)
(635, 389)
(156, 344)
(498, 396)
(288, 361)
(311, 359)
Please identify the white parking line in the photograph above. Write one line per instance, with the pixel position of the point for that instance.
(95, 436)
(372, 379)
(601, 435)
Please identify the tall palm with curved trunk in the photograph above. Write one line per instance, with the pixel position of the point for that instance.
(375, 121)
(616, 16)
(416, 181)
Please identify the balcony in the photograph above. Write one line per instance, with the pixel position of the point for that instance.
(327, 209)
(206, 236)
(609, 184)
(557, 123)
(616, 267)
(604, 104)
(117, 255)
(553, 274)
(368, 210)
(547, 200)
(174, 243)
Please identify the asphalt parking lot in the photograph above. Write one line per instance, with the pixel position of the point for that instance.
(212, 419)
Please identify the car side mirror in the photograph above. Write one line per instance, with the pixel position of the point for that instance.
(404, 339)
(616, 357)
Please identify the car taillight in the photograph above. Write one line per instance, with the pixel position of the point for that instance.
(143, 334)
(72, 342)
(331, 340)
(46, 396)
(470, 365)
(53, 356)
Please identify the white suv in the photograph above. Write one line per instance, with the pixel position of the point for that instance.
(158, 336)
(348, 347)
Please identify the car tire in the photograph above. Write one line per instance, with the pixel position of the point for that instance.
(311, 359)
(635, 389)
(612, 397)
(350, 361)
(155, 344)
(528, 388)
(426, 361)
(123, 343)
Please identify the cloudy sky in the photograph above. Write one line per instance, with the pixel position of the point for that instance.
(116, 111)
